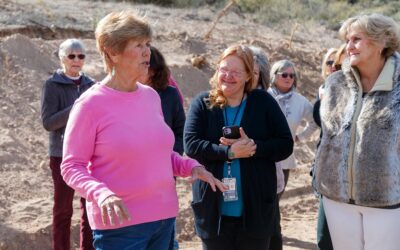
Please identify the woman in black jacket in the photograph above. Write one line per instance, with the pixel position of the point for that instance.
(159, 78)
(58, 95)
(243, 217)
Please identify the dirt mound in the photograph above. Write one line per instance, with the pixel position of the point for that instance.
(26, 54)
(27, 60)
(25, 184)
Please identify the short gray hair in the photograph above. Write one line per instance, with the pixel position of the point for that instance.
(261, 59)
(378, 28)
(278, 67)
(70, 45)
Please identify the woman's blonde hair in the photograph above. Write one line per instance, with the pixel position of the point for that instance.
(329, 53)
(216, 96)
(378, 28)
(115, 30)
(339, 56)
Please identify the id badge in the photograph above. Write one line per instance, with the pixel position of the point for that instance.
(231, 193)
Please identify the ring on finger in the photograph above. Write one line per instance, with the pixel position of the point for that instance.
(109, 210)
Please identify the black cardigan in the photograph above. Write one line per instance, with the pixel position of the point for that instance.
(58, 95)
(174, 115)
(264, 122)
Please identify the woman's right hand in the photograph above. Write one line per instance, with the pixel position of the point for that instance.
(201, 173)
(112, 206)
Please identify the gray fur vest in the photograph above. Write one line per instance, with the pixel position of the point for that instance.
(358, 161)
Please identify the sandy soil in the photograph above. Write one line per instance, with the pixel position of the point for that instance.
(30, 32)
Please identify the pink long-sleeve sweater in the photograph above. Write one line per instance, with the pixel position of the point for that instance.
(118, 143)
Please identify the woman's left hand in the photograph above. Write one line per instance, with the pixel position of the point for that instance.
(201, 173)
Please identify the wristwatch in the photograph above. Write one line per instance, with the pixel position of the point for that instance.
(231, 155)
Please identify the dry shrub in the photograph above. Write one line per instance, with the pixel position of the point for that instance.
(329, 13)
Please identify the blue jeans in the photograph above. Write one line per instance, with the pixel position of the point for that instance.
(174, 245)
(154, 235)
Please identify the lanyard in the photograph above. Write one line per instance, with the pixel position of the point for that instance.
(229, 163)
(236, 114)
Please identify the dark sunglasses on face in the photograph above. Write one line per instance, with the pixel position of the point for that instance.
(329, 63)
(285, 75)
(72, 56)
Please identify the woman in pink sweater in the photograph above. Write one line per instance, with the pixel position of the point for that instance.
(119, 155)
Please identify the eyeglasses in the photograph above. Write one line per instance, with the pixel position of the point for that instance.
(329, 63)
(285, 75)
(226, 71)
(72, 56)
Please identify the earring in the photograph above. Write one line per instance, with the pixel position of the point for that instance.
(113, 71)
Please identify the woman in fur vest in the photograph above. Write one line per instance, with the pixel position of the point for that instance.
(358, 164)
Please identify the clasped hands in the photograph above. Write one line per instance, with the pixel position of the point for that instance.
(243, 147)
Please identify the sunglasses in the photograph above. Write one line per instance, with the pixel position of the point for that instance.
(72, 56)
(329, 63)
(285, 75)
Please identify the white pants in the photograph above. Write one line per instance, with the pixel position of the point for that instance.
(280, 179)
(355, 227)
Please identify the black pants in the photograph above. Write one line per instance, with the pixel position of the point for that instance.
(276, 242)
(232, 237)
(276, 238)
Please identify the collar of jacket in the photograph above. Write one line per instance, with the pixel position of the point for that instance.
(60, 77)
(391, 71)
